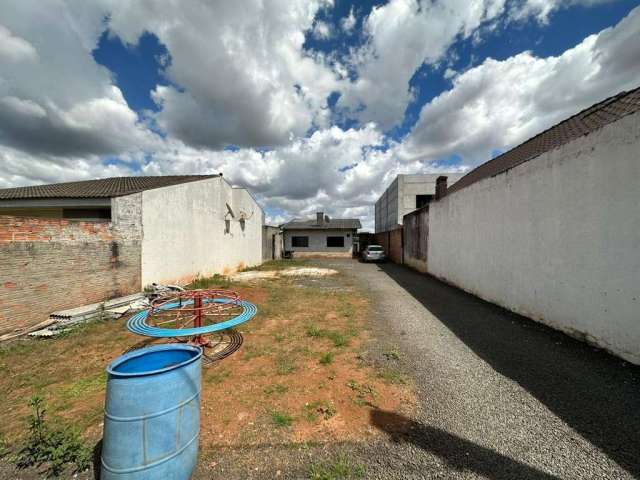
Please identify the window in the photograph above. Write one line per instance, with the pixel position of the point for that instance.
(422, 200)
(375, 248)
(300, 242)
(335, 241)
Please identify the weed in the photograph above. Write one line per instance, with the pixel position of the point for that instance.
(276, 388)
(217, 376)
(55, 447)
(362, 392)
(281, 419)
(285, 366)
(326, 358)
(279, 337)
(86, 385)
(392, 354)
(277, 265)
(320, 407)
(216, 280)
(338, 469)
(314, 331)
(4, 447)
(251, 351)
(392, 376)
(338, 339)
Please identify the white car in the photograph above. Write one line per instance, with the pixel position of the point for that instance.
(373, 253)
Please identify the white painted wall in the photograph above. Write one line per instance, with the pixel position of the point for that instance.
(318, 241)
(556, 239)
(184, 231)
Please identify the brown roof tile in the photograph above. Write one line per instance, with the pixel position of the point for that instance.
(104, 187)
(583, 123)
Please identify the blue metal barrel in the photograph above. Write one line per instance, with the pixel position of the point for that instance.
(152, 414)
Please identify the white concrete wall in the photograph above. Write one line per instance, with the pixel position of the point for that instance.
(184, 231)
(318, 242)
(556, 239)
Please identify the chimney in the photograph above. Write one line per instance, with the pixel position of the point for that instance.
(441, 187)
(319, 218)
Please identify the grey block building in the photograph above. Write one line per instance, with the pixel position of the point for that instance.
(406, 194)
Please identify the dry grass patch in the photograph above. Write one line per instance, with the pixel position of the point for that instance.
(284, 385)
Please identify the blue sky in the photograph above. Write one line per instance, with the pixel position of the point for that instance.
(311, 104)
(137, 69)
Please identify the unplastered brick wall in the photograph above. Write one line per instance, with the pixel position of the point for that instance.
(391, 241)
(49, 264)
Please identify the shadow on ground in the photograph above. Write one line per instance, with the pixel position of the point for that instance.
(596, 394)
(458, 453)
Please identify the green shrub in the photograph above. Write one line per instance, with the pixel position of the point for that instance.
(339, 469)
(326, 358)
(281, 419)
(55, 447)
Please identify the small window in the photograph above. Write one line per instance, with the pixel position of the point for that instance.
(300, 242)
(422, 200)
(335, 241)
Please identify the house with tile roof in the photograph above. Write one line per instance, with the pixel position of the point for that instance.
(321, 236)
(69, 244)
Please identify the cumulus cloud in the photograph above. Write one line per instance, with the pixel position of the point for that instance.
(349, 22)
(401, 36)
(54, 98)
(14, 49)
(542, 9)
(322, 30)
(242, 75)
(499, 104)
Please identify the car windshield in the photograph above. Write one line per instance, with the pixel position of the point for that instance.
(375, 248)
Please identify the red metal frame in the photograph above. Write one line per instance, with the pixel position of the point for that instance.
(196, 308)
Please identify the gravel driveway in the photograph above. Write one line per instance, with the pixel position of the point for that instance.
(501, 397)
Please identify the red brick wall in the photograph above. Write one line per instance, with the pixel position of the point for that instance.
(51, 264)
(391, 241)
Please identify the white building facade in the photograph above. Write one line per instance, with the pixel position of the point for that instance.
(320, 237)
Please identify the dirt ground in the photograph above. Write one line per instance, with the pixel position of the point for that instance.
(301, 377)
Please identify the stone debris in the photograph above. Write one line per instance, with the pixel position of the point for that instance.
(287, 272)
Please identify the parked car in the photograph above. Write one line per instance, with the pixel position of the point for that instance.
(373, 253)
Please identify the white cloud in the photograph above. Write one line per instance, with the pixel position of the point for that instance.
(349, 22)
(499, 104)
(322, 30)
(55, 99)
(15, 49)
(244, 77)
(402, 35)
(542, 9)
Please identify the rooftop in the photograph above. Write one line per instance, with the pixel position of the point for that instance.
(583, 123)
(325, 224)
(102, 188)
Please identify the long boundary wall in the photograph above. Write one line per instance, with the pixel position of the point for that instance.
(556, 238)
